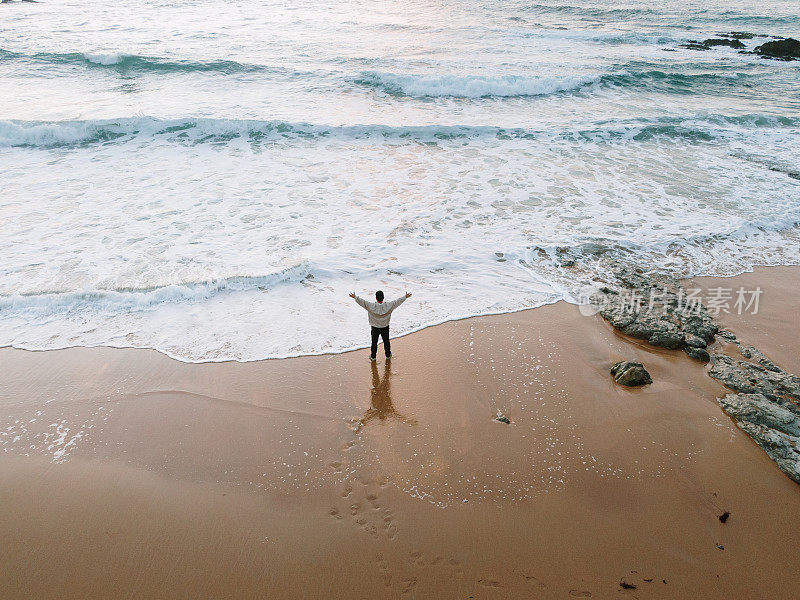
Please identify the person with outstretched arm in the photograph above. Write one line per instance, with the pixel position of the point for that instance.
(379, 313)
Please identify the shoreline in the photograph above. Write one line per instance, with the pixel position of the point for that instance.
(753, 272)
(127, 472)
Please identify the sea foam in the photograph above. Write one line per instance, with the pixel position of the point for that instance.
(104, 58)
(476, 86)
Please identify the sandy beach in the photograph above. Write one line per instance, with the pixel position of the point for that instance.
(199, 200)
(128, 474)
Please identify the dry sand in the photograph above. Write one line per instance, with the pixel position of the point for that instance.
(125, 474)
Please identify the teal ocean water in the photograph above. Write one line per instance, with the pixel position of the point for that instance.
(211, 179)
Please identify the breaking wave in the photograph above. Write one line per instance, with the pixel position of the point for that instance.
(42, 134)
(135, 63)
(469, 86)
(509, 86)
(43, 305)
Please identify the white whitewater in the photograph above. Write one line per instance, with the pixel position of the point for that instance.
(213, 180)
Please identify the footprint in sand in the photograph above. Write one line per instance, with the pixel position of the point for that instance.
(391, 532)
(383, 565)
(409, 584)
(388, 524)
(531, 580)
(372, 518)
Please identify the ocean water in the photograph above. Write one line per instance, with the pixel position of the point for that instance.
(211, 179)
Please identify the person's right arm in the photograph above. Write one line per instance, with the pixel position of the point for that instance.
(360, 301)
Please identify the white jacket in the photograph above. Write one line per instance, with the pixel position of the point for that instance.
(380, 312)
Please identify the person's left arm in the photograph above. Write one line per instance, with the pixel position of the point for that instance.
(395, 303)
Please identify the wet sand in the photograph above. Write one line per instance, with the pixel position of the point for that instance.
(127, 474)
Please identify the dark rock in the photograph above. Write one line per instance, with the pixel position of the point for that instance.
(693, 45)
(594, 249)
(783, 449)
(698, 354)
(502, 419)
(695, 341)
(728, 371)
(667, 339)
(785, 171)
(733, 43)
(654, 308)
(786, 49)
(739, 35)
(723, 518)
(630, 373)
(766, 407)
(702, 327)
(750, 378)
(755, 353)
(760, 409)
(712, 42)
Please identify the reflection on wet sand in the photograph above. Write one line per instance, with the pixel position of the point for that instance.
(381, 405)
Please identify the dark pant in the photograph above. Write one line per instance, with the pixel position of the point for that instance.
(384, 333)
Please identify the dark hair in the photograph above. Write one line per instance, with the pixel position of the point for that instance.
(379, 296)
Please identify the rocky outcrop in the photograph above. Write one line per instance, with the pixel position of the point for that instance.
(777, 48)
(657, 309)
(766, 407)
(786, 49)
(700, 354)
(630, 373)
(748, 377)
(771, 424)
(694, 45)
(766, 399)
(712, 42)
(739, 35)
(730, 42)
